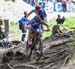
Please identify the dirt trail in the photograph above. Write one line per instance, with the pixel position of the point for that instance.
(56, 54)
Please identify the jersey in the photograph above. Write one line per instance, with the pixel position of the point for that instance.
(41, 13)
(38, 26)
(21, 21)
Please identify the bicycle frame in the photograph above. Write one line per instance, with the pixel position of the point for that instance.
(35, 37)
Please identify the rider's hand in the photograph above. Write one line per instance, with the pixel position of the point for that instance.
(28, 27)
(48, 30)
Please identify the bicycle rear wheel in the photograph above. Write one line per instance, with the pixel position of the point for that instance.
(38, 50)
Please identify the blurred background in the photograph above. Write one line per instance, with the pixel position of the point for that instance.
(12, 10)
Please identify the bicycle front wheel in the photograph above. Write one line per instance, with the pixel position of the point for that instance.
(38, 50)
(28, 50)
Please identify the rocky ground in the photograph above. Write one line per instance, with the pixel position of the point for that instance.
(56, 55)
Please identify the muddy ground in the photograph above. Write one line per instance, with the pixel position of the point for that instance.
(56, 55)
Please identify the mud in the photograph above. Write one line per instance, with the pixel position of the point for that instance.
(56, 54)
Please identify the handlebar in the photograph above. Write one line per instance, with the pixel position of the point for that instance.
(39, 30)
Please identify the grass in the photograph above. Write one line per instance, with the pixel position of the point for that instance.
(14, 27)
(72, 44)
(70, 23)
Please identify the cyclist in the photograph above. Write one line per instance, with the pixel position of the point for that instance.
(38, 11)
(35, 23)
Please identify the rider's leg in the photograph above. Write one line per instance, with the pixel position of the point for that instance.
(39, 30)
(29, 36)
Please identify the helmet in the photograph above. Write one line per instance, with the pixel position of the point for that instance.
(37, 18)
(37, 7)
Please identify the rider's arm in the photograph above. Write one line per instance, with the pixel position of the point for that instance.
(47, 26)
(31, 12)
(26, 24)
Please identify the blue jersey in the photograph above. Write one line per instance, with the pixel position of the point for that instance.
(36, 26)
(21, 26)
(41, 13)
(22, 20)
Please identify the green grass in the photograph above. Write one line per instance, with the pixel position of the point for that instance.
(14, 27)
(70, 23)
(72, 44)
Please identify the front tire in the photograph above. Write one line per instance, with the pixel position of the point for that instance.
(38, 50)
(28, 50)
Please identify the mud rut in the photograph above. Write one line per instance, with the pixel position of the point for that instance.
(56, 54)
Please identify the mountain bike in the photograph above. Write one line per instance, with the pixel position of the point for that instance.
(36, 45)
